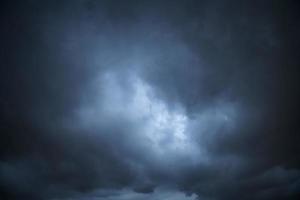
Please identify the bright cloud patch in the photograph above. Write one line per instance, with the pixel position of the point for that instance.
(166, 131)
(165, 128)
(134, 100)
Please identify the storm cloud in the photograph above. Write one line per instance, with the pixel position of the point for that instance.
(155, 100)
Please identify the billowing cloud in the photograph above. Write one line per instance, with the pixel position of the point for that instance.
(149, 100)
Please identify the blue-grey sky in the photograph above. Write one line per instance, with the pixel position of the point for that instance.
(140, 100)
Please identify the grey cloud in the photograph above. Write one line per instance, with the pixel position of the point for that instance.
(149, 100)
(160, 194)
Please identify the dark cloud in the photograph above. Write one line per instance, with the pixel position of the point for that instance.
(149, 100)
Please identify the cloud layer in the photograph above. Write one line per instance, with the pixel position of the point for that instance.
(149, 100)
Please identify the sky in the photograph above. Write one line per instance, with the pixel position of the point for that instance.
(149, 100)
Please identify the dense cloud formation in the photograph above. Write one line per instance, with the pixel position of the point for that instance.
(157, 100)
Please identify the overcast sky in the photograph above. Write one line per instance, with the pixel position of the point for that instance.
(149, 100)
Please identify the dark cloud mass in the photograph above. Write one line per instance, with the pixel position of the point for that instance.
(140, 100)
